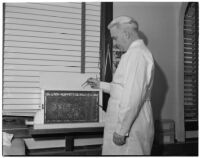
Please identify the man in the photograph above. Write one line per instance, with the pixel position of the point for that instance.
(129, 128)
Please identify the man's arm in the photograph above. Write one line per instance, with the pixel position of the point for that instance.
(96, 83)
(133, 95)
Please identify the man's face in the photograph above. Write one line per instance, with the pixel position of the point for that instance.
(119, 39)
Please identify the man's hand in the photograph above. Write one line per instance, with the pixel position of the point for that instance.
(118, 139)
(93, 82)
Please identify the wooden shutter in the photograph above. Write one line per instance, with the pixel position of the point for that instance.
(92, 37)
(191, 70)
(45, 37)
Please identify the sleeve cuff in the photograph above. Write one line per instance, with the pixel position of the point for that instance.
(105, 86)
(120, 131)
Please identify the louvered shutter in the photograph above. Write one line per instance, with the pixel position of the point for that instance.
(191, 70)
(92, 37)
(45, 37)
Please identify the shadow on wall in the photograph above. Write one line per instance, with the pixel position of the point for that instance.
(143, 37)
(159, 91)
(160, 86)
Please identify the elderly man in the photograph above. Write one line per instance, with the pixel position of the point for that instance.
(129, 128)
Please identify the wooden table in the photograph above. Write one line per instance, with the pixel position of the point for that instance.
(69, 134)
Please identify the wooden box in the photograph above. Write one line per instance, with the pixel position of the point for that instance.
(165, 131)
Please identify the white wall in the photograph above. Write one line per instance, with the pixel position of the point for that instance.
(159, 22)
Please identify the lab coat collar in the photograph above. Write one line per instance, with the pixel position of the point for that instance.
(136, 43)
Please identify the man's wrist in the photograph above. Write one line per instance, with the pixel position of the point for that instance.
(121, 132)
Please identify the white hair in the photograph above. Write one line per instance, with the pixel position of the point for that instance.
(124, 22)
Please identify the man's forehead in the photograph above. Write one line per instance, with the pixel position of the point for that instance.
(114, 31)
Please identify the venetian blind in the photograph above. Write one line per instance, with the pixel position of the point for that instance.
(46, 37)
(191, 70)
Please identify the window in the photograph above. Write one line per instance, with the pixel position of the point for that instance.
(46, 37)
(191, 70)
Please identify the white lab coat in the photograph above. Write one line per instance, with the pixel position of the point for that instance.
(129, 108)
